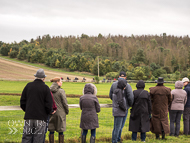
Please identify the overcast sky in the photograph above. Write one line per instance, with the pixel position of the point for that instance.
(26, 19)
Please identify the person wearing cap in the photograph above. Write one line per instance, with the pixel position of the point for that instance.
(161, 99)
(179, 98)
(186, 112)
(36, 102)
(119, 109)
(57, 121)
(128, 94)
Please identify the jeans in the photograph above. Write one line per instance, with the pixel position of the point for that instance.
(118, 121)
(93, 132)
(186, 120)
(123, 123)
(134, 136)
(47, 123)
(33, 131)
(175, 117)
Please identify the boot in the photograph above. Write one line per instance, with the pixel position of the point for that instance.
(51, 138)
(92, 139)
(61, 138)
(157, 136)
(163, 136)
(83, 139)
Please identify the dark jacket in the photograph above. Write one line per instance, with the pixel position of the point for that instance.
(128, 93)
(57, 121)
(187, 89)
(90, 107)
(119, 101)
(36, 100)
(161, 99)
(141, 109)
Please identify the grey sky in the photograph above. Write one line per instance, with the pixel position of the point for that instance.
(26, 19)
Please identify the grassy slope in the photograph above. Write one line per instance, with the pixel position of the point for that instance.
(49, 68)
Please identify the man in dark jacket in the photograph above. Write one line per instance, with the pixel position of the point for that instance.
(186, 112)
(128, 93)
(36, 102)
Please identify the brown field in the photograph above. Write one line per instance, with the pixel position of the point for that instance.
(10, 70)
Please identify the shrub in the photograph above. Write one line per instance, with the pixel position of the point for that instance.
(112, 75)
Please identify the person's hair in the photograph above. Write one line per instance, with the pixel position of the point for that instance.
(55, 79)
(40, 78)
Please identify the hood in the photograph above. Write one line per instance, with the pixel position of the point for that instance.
(140, 84)
(178, 85)
(121, 84)
(54, 87)
(88, 89)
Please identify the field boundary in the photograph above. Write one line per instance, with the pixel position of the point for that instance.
(67, 95)
(6, 108)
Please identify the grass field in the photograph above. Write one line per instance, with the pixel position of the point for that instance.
(69, 87)
(13, 120)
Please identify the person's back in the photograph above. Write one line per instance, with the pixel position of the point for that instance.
(129, 97)
(179, 98)
(36, 101)
(35, 92)
(161, 99)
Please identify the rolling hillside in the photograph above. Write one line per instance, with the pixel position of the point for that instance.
(11, 70)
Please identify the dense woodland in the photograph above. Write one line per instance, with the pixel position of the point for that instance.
(142, 57)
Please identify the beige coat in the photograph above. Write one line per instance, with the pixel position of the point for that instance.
(161, 99)
(57, 121)
(179, 97)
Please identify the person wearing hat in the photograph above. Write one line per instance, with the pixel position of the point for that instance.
(36, 101)
(57, 121)
(186, 112)
(129, 97)
(161, 99)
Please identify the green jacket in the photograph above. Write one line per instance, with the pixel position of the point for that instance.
(57, 121)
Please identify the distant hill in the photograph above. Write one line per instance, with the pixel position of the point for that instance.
(16, 71)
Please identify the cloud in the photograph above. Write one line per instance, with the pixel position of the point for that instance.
(28, 19)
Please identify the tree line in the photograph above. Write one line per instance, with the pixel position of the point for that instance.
(142, 57)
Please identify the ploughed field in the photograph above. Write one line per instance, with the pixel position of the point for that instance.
(17, 70)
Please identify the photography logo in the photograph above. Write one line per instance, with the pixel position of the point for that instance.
(15, 126)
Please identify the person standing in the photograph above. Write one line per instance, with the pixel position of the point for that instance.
(128, 93)
(140, 112)
(179, 98)
(119, 109)
(57, 121)
(36, 102)
(186, 112)
(161, 99)
(90, 107)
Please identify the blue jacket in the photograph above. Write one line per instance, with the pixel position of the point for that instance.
(128, 93)
(187, 89)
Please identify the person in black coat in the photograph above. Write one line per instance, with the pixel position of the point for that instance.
(36, 101)
(140, 112)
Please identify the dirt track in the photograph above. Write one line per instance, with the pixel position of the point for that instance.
(10, 70)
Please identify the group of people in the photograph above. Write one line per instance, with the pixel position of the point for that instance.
(46, 109)
(149, 110)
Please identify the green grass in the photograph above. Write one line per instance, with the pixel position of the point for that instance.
(69, 87)
(14, 119)
(9, 100)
